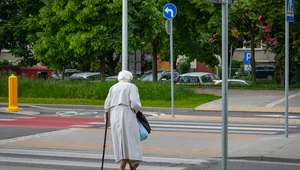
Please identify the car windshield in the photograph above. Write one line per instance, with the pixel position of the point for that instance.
(149, 77)
(188, 79)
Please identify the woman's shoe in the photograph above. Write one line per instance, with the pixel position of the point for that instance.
(134, 165)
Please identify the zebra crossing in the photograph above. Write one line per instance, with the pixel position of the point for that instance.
(20, 159)
(216, 127)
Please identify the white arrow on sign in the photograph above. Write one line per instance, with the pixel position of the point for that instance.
(167, 10)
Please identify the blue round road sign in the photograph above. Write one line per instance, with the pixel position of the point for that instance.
(170, 11)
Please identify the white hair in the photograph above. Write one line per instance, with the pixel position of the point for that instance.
(125, 76)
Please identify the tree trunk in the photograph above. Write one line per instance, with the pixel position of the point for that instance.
(102, 67)
(253, 73)
(63, 72)
(111, 62)
(154, 44)
(230, 60)
(282, 75)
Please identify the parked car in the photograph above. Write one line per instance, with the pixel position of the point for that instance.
(70, 72)
(111, 78)
(56, 75)
(85, 76)
(264, 71)
(235, 82)
(192, 78)
(162, 75)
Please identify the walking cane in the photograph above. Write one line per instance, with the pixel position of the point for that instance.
(104, 143)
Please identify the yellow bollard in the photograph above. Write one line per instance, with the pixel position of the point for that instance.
(13, 94)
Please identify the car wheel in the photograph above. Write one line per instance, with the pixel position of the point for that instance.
(269, 77)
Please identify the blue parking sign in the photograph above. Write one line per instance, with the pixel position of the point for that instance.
(247, 58)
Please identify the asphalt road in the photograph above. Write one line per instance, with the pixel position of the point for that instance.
(27, 162)
(14, 127)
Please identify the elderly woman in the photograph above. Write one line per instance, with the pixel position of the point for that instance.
(123, 101)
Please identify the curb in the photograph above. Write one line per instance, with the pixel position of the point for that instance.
(62, 106)
(266, 159)
(249, 109)
(93, 156)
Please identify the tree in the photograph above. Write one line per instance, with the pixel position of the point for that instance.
(192, 31)
(246, 16)
(149, 27)
(81, 30)
(274, 36)
(18, 26)
(184, 66)
(76, 30)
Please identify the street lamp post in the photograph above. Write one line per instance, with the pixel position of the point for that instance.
(125, 35)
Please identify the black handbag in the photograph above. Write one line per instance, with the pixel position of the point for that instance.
(143, 120)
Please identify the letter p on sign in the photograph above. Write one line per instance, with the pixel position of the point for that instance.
(247, 58)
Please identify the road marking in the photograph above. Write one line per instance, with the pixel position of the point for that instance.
(7, 120)
(213, 131)
(219, 127)
(67, 113)
(26, 117)
(279, 116)
(281, 100)
(96, 123)
(59, 132)
(216, 124)
(80, 126)
(81, 163)
(97, 156)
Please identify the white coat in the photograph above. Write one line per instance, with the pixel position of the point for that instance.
(122, 99)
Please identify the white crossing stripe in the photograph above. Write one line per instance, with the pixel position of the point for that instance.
(26, 117)
(219, 127)
(212, 131)
(279, 116)
(216, 127)
(96, 123)
(148, 159)
(83, 164)
(81, 126)
(217, 124)
(8, 120)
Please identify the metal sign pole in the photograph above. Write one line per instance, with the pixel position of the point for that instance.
(286, 79)
(286, 71)
(171, 62)
(169, 12)
(125, 35)
(224, 84)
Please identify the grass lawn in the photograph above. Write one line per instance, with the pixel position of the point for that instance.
(189, 102)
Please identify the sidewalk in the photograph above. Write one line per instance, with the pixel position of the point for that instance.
(189, 145)
(172, 145)
(254, 101)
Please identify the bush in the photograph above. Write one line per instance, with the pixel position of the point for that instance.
(184, 66)
(29, 88)
(236, 64)
(4, 62)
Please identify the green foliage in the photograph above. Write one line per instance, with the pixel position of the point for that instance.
(184, 66)
(4, 62)
(274, 12)
(29, 88)
(18, 28)
(192, 33)
(236, 64)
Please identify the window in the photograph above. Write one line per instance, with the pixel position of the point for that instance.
(206, 79)
(188, 79)
(166, 76)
